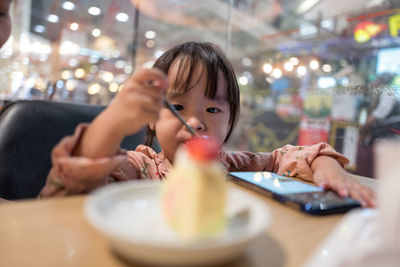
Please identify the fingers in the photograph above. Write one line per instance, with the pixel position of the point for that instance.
(150, 82)
(155, 94)
(346, 186)
(364, 194)
(150, 78)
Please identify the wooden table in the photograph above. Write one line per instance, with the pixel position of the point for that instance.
(54, 232)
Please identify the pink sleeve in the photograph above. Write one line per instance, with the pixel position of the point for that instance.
(74, 175)
(289, 160)
(296, 160)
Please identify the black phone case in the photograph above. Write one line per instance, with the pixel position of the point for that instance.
(316, 203)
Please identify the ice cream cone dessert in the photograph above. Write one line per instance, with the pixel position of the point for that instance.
(194, 195)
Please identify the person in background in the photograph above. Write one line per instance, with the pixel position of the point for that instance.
(199, 81)
(379, 119)
(383, 120)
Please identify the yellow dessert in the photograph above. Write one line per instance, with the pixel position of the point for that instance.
(194, 194)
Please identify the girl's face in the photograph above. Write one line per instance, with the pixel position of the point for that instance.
(208, 117)
(5, 21)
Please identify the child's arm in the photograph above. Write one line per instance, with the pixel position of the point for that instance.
(89, 158)
(328, 174)
(136, 105)
(319, 163)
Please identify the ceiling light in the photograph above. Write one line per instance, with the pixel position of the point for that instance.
(113, 87)
(306, 5)
(96, 32)
(74, 26)
(39, 29)
(308, 29)
(95, 11)
(52, 18)
(94, 89)
(65, 75)
(243, 80)
(314, 64)
(150, 43)
(128, 69)
(294, 60)
(73, 62)
(150, 34)
(327, 68)
(71, 84)
(267, 68)
(247, 61)
(79, 73)
(277, 73)
(59, 84)
(69, 48)
(115, 53)
(119, 64)
(301, 70)
(68, 5)
(122, 17)
(288, 66)
(107, 76)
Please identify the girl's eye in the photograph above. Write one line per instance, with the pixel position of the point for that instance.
(213, 110)
(178, 107)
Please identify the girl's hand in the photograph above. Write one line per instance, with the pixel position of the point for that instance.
(138, 103)
(328, 174)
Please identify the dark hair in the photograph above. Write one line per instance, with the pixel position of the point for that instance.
(213, 59)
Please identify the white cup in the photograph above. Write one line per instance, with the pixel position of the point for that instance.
(387, 171)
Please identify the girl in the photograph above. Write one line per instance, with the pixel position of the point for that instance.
(201, 85)
(5, 21)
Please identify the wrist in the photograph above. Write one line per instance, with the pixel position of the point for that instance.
(324, 162)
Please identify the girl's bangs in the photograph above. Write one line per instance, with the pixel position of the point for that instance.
(189, 75)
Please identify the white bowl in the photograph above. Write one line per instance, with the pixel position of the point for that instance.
(129, 215)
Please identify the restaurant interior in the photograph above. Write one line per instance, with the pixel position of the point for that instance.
(306, 69)
(309, 71)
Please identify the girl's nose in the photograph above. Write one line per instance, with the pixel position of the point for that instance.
(196, 124)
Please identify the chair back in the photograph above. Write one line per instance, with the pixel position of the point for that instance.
(28, 132)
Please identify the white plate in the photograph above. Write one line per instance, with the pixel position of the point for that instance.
(129, 215)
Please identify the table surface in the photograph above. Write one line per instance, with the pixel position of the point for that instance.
(54, 232)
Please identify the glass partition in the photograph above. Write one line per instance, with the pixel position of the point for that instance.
(309, 70)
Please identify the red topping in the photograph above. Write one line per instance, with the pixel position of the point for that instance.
(202, 149)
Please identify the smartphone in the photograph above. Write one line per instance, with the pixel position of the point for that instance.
(305, 197)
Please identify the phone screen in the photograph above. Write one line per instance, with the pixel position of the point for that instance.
(306, 197)
(276, 183)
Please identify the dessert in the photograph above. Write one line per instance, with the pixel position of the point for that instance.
(194, 194)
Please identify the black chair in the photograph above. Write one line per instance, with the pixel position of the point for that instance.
(28, 132)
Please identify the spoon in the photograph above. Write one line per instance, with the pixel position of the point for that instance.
(176, 113)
